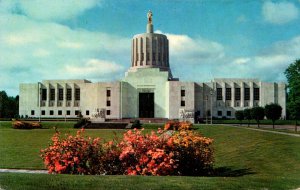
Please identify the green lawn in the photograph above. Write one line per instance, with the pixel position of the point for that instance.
(244, 159)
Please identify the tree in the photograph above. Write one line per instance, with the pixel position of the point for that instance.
(239, 115)
(292, 74)
(273, 112)
(247, 115)
(9, 106)
(257, 113)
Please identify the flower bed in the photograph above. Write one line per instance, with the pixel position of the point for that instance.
(160, 152)
(26, 125)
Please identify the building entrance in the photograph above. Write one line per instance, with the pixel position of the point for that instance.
(146, 105)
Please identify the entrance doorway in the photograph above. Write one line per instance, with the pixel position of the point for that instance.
(146, 105)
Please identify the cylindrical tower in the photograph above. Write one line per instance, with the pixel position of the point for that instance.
(150, 50)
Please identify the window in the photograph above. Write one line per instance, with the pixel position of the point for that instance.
(237, 94)
(51, 112)
(142, 56)
(256, 93)
(32, 112)
(108, 112)
(77, 112)
(208, 112)
(247, 94)
(228, 93)
(219, 94)
(182, 103)
(43, 112)
(60, 94)
(52, 94)
(69, 94)
(229, 113)
(148, 57)
(44, 94)
(182, 93)
(108, 93)
(220, 113)
(153, 56)
(87, 112)
(68, 112)
(77, 94)
(59, 112)
(237, 104)
(158, 57)
(108, 103)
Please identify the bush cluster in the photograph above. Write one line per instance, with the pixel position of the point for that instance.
(26, 125)
(160, 152)
(81, 123)
(177, 125)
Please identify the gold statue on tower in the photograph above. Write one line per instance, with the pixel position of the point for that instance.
(149, 16)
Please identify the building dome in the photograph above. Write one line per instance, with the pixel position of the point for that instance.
(150, 50)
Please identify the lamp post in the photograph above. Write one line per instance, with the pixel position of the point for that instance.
(211, 107)
(39, 88)
(206, 111)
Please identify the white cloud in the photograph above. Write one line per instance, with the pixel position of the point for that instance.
(94, 68)
(269, 65)
(32, 51)
(279, 13)
(41, 53)
(198, 50)
(56, 9)
(241, 60)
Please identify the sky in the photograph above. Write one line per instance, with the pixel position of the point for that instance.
(91, 39)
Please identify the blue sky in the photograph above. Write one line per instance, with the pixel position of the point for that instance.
(90, 39)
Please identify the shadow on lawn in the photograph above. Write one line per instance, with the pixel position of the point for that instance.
(229, 172)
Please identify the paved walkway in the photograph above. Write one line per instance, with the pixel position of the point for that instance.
(264, 130)
(23, 171)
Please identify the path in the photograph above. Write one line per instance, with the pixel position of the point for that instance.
(263, 130)
(23, 171)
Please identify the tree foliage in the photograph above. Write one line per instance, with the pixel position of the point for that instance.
(9, 106)
(239, 115)
(247, 115)
(273, 112)
(292, 74)
(257, 113)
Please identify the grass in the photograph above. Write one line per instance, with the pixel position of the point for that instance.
(244, 159)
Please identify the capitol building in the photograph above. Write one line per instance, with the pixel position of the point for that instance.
(148, 90)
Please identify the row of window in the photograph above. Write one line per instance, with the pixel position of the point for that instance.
(237, 94)
(67, 112)
(69, 95)
(228, 113)
(60, 94)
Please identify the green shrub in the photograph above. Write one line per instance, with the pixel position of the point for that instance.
(81, 123)
(136, 124)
